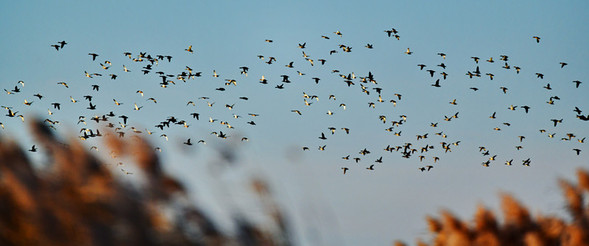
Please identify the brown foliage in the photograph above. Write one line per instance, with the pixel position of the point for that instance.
(518, 227)
(76, 200)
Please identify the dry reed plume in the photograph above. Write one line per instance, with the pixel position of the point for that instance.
(518, 227)
(76, 200)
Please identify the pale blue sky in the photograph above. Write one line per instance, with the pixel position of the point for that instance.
(369, 207)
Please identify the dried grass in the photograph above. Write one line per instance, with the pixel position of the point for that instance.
(77, 200)
(518, 227)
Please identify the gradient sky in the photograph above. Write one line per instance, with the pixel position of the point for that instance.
(325, 206)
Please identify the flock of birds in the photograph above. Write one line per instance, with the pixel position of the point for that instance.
(115, 114)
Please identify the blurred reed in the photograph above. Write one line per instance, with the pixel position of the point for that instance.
(77, 200)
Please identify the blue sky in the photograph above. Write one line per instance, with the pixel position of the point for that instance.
(377, 206)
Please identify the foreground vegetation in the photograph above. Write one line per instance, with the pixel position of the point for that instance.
(77, 200)
(518, 226)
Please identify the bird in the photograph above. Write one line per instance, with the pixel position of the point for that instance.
(345, 169)
(189, 49)
(63, 83)
(94, 55)
(408, 52)
(556, 121)
(536, 38)
(526, 108)
(577, 83)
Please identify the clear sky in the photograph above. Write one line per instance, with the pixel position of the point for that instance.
(325, 206)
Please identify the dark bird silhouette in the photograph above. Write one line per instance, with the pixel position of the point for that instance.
(526, 108)
(431, 73)
(94, 55)
(124, 117)
(556, 121)
(345, 169)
